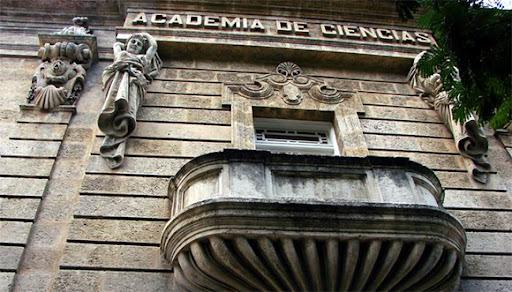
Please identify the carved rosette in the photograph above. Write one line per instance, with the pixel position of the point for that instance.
(348, 228)
(60, 79)
(292, 86)
(470, 140)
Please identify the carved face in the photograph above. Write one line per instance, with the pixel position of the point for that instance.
(58, 68)
(134, 46)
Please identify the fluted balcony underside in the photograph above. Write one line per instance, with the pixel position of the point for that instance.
(255, 221)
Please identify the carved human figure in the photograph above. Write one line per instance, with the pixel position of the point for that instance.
(124, 83)
(80, 27)
(469, 138)
(60, 78)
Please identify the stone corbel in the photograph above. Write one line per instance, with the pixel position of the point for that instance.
(59, 80)
(470, 140)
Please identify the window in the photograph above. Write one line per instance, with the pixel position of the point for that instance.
(295, 136)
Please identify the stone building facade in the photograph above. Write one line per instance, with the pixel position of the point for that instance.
(183, 202)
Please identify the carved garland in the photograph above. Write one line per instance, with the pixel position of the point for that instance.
(292, 85)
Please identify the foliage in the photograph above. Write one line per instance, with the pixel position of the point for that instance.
(476, 38)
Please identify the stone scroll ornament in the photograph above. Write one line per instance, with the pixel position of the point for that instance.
(292, 86)
(124, 83)
(59, 80)
(471, 142)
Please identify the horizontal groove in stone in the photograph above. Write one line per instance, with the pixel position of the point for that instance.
(138, 207)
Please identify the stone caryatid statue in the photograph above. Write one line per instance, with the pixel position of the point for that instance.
(125, 82)
(471, 142)
(60, 78)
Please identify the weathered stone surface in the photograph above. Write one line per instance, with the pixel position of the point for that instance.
(202, 88)
(14, 231)
(396, 113)
(10, 186)
(167, 148)
(39, 131)
(432, 161)
(26, 167)
(33, 280)
(138, 166)
(116, 230)
(485, 242)
(9, 257)
(404, 128)
(477, 199)
(478, 285)
(193, 116)
(16, 208)
(113, 256)
(380, 87)
(383, 142)
(461, 180)
(488, 266)
(181, 100)
(393, 100)
(33, 116)
(484, 220)
(85, 281)
(182, 131)
(106, 206)
(26, 148)
(6, 279)
(124, 185)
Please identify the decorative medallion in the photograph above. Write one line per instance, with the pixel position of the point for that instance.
(292, 85)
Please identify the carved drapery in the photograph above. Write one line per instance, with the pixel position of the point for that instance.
(125, 82)
(60, 79)
(471, 142)
(292, 86)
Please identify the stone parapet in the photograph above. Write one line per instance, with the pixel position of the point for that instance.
(252, 220)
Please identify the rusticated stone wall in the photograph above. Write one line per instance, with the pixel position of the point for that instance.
(69, 223)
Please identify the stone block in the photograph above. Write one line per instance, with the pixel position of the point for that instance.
(113, 281)
(432, 161)
(6, 281)
(79, 134)
(35, 116)
(167, 148)
(138, 166)
(124, 185)
(478, 285)
(193, 116)
(74, 150)
(34, 280)
(10, 257)
(462, 180)
(477, 199)
(488, 266)
(182, 131)
(17, 186)
(39, 131)
(41, 258)
(484, 220)
(181, 100)
(407, 143)
(26, 167)
(137, 231)
(381, 87)
(404, 128)
(26, 148)
(48, 233)
(18, 208)
(106, 206)
(485, 242)
(392, 99)
(185, 87)
(406, 114)
(113, 256)
(14, 231)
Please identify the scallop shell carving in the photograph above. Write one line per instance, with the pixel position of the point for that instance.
(49, 97)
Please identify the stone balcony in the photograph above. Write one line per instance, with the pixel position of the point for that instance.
(251, 220)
